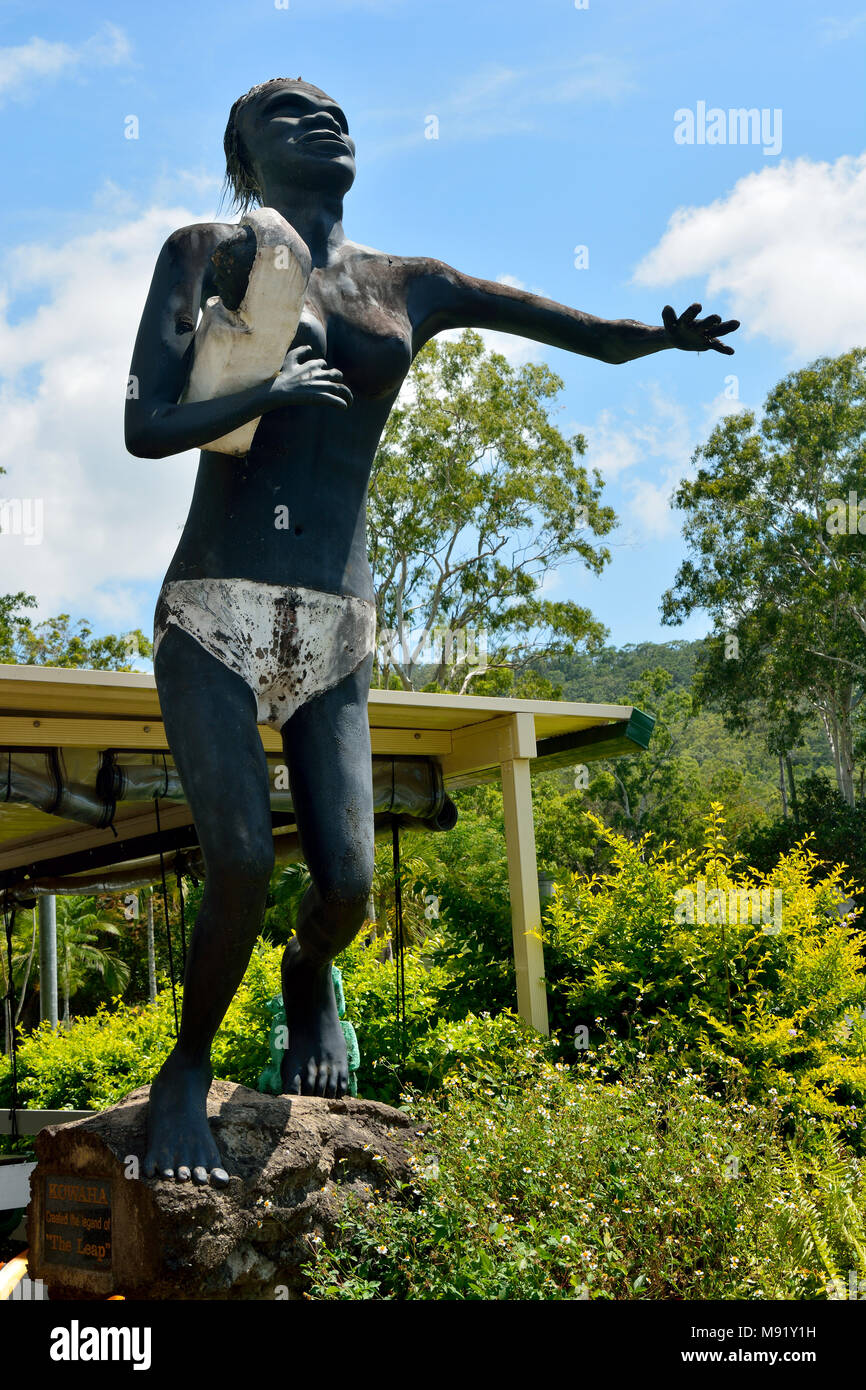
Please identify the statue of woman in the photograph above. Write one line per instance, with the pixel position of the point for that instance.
(259, 622)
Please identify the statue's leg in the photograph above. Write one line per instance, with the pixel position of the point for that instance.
(327, 750)
(210, 720)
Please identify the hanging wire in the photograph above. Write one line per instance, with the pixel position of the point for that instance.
(165, 912)
(178, 869)
(398, 934)
(9, 923)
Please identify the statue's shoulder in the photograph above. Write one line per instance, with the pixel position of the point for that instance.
(197, 241)
(420, 265)
(403, 269)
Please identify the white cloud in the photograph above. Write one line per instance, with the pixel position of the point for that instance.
(498, 100)
(645, 450)
(21, 64)
(110, 521)
(784, 251)
(834, 30)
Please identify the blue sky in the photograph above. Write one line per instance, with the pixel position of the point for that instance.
(555, 129)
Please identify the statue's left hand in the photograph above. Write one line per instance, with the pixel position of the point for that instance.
(696, 335)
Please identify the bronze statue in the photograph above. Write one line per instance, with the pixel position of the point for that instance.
(275, 623)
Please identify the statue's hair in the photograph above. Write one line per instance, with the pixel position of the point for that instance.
(240, 180)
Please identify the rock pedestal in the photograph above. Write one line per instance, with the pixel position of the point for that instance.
(95, 1228)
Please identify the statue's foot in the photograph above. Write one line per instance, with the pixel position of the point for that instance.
(315, 1061)
(179, 1142)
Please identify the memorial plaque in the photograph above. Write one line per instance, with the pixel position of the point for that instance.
(77, 1222)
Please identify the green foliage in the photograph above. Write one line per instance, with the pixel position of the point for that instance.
(474, 496)
(60, 642)
(837, 830)
(549, 1182)
(776, 1003)
(468, 873)
(79, 953)
(388, 1049)
(782, 576)
(95, 1061)
(240, 1049)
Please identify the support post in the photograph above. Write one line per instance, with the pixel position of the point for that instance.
(48, 958)
(518, 746)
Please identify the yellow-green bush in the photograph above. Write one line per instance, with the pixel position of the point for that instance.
(778, 1004)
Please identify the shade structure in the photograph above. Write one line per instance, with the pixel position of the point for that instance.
(89, 797)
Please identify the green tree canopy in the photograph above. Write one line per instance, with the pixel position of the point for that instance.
(475, 497)
(776, 531)
(61, 642)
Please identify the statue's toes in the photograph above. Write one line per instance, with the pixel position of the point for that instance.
(159, 1160)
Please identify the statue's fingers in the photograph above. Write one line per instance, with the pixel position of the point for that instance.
(669, 318)
(721, 347)
(337, 390)
(710, 321)
(727, 327)
(690, 315)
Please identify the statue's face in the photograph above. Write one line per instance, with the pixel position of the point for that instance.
(298, 134)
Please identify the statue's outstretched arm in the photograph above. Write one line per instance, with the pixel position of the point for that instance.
(440, 297)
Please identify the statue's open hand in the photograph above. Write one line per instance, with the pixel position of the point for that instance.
(696, 335)
(305, 378)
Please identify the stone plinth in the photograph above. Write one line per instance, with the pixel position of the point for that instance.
(95, 1228)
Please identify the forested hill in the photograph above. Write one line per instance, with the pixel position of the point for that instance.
(605, 677)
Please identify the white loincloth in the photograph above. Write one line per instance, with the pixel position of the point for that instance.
(287, 642)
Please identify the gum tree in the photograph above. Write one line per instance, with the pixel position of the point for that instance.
(60, 642)
(777, 533)
(475, 497)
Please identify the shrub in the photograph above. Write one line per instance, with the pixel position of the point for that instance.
(98, 1060)
(780, 1006)
(552, 1183)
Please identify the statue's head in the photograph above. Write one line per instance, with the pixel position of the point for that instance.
(287, 131)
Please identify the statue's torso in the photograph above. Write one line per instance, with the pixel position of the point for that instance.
(293, 510)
